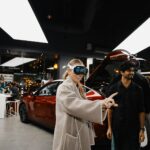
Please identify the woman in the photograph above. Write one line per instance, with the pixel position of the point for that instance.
(73, 130)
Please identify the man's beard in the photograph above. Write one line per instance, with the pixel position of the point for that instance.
(129, 77)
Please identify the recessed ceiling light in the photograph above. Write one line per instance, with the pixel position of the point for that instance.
(49, 17)
(138, 40)
(50, 68)
(17, 61)
(19, 21)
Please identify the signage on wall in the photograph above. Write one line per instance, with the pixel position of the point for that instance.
(7, 77)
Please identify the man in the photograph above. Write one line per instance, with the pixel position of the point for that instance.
(126, 122)
(144, 83)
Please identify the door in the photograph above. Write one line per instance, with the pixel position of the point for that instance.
(44, 105)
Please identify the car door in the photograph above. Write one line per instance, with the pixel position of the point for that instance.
(44, 105)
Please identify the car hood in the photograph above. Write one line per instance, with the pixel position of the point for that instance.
(100, 76)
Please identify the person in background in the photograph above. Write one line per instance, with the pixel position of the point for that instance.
(2, 77)
(126, 122)
(74, 113)
(1, 87)
(14, 90)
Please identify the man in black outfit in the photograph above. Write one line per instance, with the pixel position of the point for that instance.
(126, 122)
(144, 83)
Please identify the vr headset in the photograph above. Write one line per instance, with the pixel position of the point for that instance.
(78, 69)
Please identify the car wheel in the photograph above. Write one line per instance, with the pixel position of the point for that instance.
(23, 114)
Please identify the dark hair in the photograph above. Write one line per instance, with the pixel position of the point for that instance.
(127, 65)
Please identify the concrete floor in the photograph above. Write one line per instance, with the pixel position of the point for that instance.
(15, 135)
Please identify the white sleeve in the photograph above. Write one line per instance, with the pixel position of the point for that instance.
(85, 109)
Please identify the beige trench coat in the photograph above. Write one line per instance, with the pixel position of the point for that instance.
(70, 104)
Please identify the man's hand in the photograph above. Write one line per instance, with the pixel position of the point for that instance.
(109, 133)
(141, 136)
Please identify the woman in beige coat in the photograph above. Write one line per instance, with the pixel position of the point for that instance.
(73, 130)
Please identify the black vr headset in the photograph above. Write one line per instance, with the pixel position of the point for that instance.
(78, 69)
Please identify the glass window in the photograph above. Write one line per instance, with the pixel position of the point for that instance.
(49, 89)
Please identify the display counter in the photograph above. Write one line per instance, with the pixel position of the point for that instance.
(3, 98)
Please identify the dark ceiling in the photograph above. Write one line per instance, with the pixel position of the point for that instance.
(85, 27)
(70, 25)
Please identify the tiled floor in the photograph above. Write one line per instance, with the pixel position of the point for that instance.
(15, 135)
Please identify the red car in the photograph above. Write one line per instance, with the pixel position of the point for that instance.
(39, 106)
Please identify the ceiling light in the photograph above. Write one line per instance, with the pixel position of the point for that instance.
(63, 67)
(49, 17)
(17, 61)
(50, 68)
(138, 40)
(55, 66)
(18, 20)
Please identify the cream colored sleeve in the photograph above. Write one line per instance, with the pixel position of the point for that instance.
(85, 109)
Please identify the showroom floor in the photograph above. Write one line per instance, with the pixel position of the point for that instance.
(15, 135)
